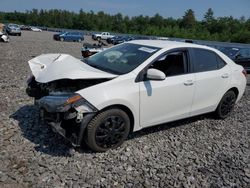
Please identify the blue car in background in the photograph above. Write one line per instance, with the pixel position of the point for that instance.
(69, 36)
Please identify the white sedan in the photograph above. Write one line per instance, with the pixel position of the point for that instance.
(138, 84)
(35, 29)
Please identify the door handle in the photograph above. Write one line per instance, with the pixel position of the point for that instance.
(188, 83)
(226, 75)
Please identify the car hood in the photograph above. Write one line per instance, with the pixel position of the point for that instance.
(50, 67)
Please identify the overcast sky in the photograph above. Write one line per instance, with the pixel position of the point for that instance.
(166, 8)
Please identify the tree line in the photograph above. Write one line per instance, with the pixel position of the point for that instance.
(227, 29)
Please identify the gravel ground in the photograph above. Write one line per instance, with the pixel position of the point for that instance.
(196, 152)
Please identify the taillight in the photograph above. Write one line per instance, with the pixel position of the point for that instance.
(244, 72)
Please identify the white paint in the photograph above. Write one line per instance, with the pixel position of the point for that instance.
(49, 67)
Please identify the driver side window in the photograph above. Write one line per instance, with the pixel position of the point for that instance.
(172, 64)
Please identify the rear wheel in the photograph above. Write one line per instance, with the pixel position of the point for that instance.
(226, 105)
(108, 130)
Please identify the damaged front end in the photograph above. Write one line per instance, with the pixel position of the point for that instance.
(54, 82)
(67, 112)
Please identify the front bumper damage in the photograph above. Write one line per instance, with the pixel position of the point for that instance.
(69, 120)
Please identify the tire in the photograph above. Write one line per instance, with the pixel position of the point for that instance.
(107, 130)
(99, 38)
(79, 40)
(61, 39)
(19, 34)
(226, 105)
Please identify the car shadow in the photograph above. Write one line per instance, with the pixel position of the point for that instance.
(53, 144)
(170, 125)
(41, 134)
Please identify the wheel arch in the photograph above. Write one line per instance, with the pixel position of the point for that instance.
(235, 90)
(218, 111)
(126, 110)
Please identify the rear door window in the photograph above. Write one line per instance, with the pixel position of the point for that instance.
(205, 60)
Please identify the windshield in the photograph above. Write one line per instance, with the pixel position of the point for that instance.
(121, 59)
(13, 25)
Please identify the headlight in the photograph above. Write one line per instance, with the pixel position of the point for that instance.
(62, 103)
(80, 104)
(73, 99)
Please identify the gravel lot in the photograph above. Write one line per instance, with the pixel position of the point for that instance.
(196, 152)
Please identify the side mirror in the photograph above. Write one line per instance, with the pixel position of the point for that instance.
(154, 74)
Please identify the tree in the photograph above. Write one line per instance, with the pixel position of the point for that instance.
(209, 16)
(209, 21)
(188, 20)
(210, 28)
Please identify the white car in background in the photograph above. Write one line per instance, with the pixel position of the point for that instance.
(35, 29)
(128, 87)
(102, 36)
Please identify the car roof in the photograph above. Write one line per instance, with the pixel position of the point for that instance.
(169, 44)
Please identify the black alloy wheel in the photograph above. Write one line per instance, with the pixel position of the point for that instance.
(226, 105)
(108, 130)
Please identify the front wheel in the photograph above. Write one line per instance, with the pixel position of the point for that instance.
(108, 130)
(61, 39)
(226, 105)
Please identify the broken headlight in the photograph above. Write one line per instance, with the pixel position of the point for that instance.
(62, 103)
(80, 104)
